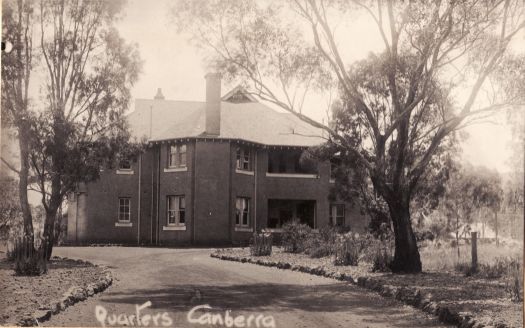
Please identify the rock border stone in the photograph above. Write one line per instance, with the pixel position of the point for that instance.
(73, 295)
(408, 295)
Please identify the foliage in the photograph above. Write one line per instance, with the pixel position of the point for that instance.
(382, 258)
(498, 269)
(28, 261)
(349, 248)
(322, 243)
(17, 22)
(398, 108)
(469, 190)
(261, 244)
(514, 281)
(379, 250)
(294, 236)
(10, 204)
(464, 268)
(87, 71)
(508, 269)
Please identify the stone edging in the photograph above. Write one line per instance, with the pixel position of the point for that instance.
(408, 295)
(73, 295)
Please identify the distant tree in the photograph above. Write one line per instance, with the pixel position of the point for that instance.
(89, 71)
(401, 99)
(470, 189)
(489, 194)
(17, 28)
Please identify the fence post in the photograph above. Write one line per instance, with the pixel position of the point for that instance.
(474, 244)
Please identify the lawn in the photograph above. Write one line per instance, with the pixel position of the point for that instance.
(444, 258)
(487, 300)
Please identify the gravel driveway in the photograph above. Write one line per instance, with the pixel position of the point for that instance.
(177, 280)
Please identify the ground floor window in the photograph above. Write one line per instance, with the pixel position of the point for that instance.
(176, 210)
(124, 164)
(281, 211)
(124, 209)
(242, 212)
(337, 214)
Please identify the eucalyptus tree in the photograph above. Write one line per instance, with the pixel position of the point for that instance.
(18, 20)
(439, 60)
(89, 71)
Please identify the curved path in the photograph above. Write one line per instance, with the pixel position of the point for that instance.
(177, 280)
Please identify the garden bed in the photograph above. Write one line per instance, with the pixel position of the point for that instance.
(26, 301)
(456, 299)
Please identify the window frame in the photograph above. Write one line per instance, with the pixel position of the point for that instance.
(334, 216)
(175, 158)
(128, 206)
(243, 156)
(122, 168)
(178, 210)
(242, 211)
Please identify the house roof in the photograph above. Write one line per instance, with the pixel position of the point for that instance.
(248, 121)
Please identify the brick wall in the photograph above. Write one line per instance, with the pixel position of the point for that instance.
(210, 186)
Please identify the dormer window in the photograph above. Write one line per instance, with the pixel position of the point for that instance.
(177, 156)
(243, 161)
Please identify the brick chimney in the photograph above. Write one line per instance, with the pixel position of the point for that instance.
(159, 95)
(213, 104)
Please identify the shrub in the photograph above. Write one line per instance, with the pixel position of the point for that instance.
(424, 235)
(348, 249)
(322, 243)
(28, 260)
(379, 251)
(514, 281)
(505, 268)
(498, 269)
(261, 244)
(382, 257)
(464, 268)
(294, 236)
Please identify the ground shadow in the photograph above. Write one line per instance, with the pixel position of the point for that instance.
(326, 298)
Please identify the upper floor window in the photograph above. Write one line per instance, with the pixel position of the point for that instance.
(124, 164)
(176, 210)
(294, 161)
(124, 209)
(243, 160)
(333, 169)
(242, 212)
(177, 156)
(337, 214)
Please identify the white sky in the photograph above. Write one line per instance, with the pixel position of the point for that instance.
(172, 64)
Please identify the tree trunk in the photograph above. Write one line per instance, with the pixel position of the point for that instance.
(55, 199)
(457, 235)
(496, 223)
(406, 257)
(23, 142)
(49, 231)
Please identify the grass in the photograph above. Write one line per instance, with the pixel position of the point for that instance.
(445, 258)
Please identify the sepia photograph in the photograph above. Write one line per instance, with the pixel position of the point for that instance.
(271, 163)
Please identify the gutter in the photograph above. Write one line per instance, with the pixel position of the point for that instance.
(139, 200)
(255, 194)
(193, 192)
(152, 197)
(158, 195)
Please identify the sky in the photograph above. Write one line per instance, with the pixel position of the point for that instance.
(172, 64)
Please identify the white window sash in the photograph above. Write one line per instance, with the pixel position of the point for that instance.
(175, 209)
(124, 210)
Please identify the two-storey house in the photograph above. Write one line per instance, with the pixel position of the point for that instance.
(213, 173)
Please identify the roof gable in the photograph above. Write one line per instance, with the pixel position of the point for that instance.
(238, 95)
